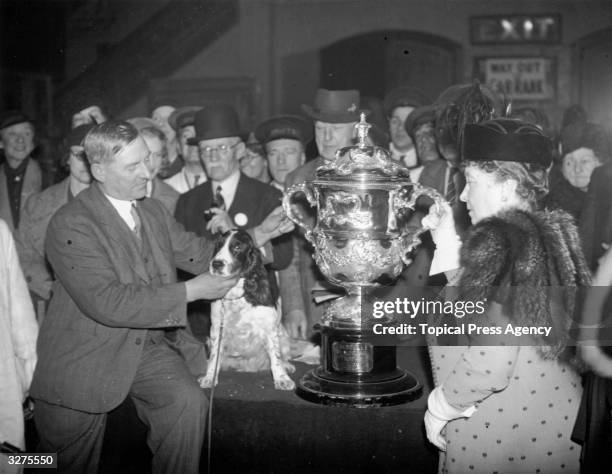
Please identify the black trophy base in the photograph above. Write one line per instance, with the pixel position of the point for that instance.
(355, 372)
(315, 387)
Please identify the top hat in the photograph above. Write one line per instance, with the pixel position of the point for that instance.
(13, 117)
(405, 96)
(284, 126)
(216, 121)
(182, 117)
(334, 106)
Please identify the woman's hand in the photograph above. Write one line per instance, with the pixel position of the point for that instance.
(441, 224)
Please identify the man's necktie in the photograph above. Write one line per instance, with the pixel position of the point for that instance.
(137, 222)
(196, 180)
(451, 188)
(218, 200)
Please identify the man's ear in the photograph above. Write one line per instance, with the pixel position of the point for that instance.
(240, 148)
(98, 172)
(302, 157)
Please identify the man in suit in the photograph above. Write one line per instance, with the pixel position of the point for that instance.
(229, 199)
(115, 321)
(233, 199)
(335, 114)
(284, 138)
(20, 175)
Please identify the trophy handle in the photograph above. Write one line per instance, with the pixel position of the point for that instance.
(402, 201)
(295, 217)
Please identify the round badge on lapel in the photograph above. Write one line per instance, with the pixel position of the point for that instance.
(241, 219)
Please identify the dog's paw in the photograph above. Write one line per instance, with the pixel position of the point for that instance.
(284, 384)
(289, 367)
(206, 382)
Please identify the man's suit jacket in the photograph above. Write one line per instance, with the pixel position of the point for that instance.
(254, 200)
(32, 183)
(103, 302)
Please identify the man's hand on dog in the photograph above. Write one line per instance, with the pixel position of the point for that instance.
(220, 222)
(209, 287)
(276, 224)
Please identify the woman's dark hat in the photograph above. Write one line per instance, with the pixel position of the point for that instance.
(216, 121)
(292, 127)
(334, 106)
(585, 135)
(13, 117)
(182, 117)
(507, 140)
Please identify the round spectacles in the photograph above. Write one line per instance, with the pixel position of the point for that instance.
(222, 150)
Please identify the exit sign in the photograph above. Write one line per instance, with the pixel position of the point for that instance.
(515, 29)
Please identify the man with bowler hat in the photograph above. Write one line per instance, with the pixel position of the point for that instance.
(229, 199)
(335, 114)
(285, 138)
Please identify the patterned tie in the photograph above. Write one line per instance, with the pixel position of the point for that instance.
(451, 188)
(218, 200)
(137, 222)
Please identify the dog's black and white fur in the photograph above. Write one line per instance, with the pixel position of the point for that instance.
(253, 337)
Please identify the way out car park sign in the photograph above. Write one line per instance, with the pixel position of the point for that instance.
(521, 78)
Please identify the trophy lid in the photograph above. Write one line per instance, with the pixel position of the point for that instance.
(362, 162)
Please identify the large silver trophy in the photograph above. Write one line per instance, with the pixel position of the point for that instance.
(365, 228)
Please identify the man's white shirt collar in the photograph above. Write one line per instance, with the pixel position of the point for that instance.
(124, 208)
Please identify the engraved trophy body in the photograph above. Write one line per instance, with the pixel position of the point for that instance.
(364, 230)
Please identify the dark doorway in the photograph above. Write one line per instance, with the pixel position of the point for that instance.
(594, 53)
(376, 62)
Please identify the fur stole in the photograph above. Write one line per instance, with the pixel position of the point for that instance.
(532, 264)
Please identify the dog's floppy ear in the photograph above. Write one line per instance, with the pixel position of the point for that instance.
(256, 285)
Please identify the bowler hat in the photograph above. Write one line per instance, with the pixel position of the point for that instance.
(405, 96)
(13, 117)
(334, 106)
(216, 121)
(182, 117)
(284, 126)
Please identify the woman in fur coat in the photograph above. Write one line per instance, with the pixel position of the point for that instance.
(504, 403)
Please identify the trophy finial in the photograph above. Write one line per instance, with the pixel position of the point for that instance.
(363, 128)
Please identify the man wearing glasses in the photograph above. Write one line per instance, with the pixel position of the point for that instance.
(229, 199)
